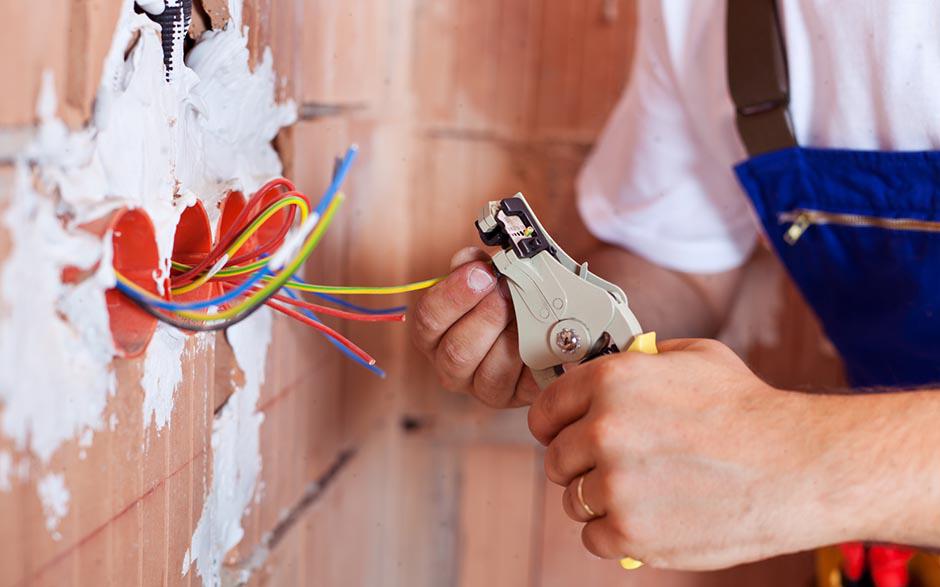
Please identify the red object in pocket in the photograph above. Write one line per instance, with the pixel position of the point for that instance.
(889, 565)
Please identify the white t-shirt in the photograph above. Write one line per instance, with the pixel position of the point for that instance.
(864, 74)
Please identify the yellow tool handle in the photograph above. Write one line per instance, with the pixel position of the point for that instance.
(643, 343)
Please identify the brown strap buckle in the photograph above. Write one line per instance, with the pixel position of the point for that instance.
(757, 76)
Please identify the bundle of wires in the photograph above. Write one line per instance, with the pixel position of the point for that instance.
(267, 273)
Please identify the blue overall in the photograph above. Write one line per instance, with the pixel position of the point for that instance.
(875, 289)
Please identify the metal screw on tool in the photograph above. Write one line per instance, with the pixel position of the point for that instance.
(567, 340)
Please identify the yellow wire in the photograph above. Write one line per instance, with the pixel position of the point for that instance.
(280, 279)
(241, 240)
(364, 290)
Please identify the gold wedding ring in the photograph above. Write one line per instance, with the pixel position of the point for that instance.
(627, 563)
(583, 503)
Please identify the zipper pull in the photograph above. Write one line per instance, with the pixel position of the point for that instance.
(797, 229)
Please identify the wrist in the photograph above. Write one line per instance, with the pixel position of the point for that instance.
(878, 468)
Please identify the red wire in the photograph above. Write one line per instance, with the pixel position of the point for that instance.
(230, 235)
(278, 238)
(328, 311)
(324, 328)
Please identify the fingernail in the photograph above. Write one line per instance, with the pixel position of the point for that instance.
(479, 280)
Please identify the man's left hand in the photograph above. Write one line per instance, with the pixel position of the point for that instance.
(690, 461)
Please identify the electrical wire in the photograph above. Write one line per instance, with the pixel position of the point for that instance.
(277, 281)
(138, 293)
(240, 241)
(328, 311)
(332, 198)
(363, 290)
(257, 277)
(353, 347)
(232, 233)
(349, 354)
(356, 307)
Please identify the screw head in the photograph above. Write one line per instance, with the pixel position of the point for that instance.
(567, 340)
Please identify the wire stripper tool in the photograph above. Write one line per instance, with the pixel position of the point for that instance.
(564, 313)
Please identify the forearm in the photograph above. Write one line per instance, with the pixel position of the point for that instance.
(673, 304)
(881, 465)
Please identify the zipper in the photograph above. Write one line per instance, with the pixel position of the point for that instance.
(802, 219)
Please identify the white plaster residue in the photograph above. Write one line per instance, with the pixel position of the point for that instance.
(235, 117)
(6, 471)
(151, 145)
(236, 454)
(54, 496)
(163, 372)
(53, 395)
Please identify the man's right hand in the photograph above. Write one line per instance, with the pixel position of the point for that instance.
(465, 325)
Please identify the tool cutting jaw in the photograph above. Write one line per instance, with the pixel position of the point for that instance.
(564, 313)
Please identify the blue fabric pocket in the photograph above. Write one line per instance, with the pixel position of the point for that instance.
(859, 232)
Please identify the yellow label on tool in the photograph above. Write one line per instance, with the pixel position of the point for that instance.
(630, 564)
(644, 343)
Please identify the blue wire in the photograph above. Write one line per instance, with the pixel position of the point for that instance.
(216, 301)
(377, 370)
(324, 203)
(338, 178)
(356, 307)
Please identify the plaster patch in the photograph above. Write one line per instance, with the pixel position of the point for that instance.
(151, 145)
(163, 372)
(235, 121)
(55, 498)
(6, 471)
(51, 396)
(236, 454)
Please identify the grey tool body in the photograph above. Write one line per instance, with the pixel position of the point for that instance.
(564, 313)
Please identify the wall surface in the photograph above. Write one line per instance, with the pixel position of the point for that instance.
(362, 481)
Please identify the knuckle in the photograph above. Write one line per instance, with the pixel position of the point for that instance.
(492, 388)
(426, 322)
(606, 374)
(548, 403)
(553, 464)
(495, 311)
(455, 354)
(620, 533)
(490, 379)
(607, 484)
(534, 424)
(446, 381)
(591, 540)
(600, 431)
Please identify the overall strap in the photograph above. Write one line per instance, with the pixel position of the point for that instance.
(757, 76)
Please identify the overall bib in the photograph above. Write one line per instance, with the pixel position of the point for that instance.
(859, 234)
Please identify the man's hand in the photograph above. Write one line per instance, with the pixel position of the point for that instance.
(689, 460)
(465, 326)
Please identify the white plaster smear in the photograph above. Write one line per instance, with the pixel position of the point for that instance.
(163, 372)
(236, 454)
(206, 133)
(55, 497)
(6, 471)
(55, 345)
